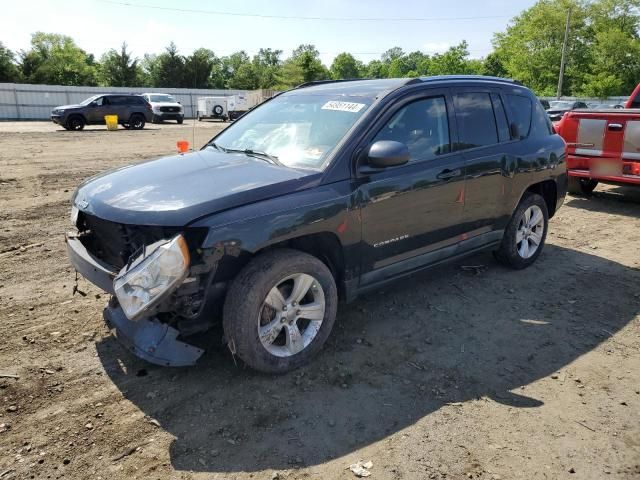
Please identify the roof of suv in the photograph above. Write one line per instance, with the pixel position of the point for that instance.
(118, 95)
(373, 87)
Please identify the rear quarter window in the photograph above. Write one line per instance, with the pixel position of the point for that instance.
(540, 123)
(520, 109)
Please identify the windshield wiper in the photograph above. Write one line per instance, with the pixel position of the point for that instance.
(216, 146)
(256, 153)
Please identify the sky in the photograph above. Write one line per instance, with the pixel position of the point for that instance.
(372, 26)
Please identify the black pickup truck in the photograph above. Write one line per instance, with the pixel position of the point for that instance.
(320, 193)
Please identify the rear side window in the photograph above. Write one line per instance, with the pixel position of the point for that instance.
(520, 108)
(117, 100)
(422, 126)
(476, 120)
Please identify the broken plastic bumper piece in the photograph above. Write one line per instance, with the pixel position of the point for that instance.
(150, 340)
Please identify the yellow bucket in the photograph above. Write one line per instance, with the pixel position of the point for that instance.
(111, 121)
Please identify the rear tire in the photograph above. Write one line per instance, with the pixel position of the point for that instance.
(75, 122)
(525, 234)
(582, 186)
(277, 336)
(136, 122)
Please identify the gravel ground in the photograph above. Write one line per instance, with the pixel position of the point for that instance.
(454, 373)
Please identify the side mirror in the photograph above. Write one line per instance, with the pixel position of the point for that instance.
(93, 104)
(179, 103)
(515, 134)
(388, 153)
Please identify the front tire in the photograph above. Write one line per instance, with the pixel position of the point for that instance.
(180, 120)
(582, 186)
(525, 234)
(76, 123)
(279, 310)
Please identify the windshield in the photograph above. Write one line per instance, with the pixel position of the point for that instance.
(89, 100)
(162, 98)
(299, 130)
(561, 104)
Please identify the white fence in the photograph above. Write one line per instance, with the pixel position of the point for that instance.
(34, 102)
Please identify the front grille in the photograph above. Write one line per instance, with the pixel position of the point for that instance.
(170, 109)
(114, 243)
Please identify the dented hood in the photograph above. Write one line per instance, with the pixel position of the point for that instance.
(176, 190)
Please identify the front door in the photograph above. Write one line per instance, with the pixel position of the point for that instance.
(98, 109)
(413, 209)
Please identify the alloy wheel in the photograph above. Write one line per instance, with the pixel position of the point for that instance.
(530, 232)
(291, 315)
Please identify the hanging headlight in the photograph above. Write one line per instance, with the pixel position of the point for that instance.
(158, 271)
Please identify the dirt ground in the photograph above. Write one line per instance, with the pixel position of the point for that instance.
(455, 373)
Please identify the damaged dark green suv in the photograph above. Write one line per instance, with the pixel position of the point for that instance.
(320, 193)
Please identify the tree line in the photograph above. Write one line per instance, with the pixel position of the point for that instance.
(603, 58)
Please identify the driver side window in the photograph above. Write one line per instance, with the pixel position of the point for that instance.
(99, 102)
(423, 126)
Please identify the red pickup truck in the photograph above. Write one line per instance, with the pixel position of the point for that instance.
(602, 145)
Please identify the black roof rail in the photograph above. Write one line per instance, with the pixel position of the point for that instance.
(323, 82)
(436, 78)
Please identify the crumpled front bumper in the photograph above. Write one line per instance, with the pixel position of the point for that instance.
(147, 338)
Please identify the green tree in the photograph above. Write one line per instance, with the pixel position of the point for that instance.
(377, 69)
(307, 58)
(169, 70)
(493, 66)
(345, 66)
(530, 48)
(455, 61)
(198, 68)
(615, 49)
(266, 66)
(244, 77)
(392, 54)
(119, 69)
(9, 71)
(148, 66)
(56, 60)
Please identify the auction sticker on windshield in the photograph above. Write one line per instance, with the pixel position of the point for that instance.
(343, 106)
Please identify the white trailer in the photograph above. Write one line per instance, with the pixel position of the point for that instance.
(213, 107)
(241, 103)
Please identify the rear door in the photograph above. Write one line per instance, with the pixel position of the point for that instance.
(120, 105)
(483, 140)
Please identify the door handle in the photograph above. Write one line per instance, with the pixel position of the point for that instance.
(447, 174)
(615, 127)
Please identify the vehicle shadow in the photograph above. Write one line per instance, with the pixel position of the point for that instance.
(395, 356)
(103, 129)
(616, 200)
